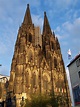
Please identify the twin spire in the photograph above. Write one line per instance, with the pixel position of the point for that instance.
(46, 26)
(27, 18)
(28, 21)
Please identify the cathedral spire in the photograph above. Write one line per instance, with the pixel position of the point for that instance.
(46, 26)
(27, 18)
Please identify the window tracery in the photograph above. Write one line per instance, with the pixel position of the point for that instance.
(34, 80)
(45, 83)
(27, 79)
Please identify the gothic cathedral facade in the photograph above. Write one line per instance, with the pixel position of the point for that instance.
(37, 67)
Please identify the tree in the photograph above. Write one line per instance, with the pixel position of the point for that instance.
(37, 101)
(43, 101)
(53, 102)
(46, 100)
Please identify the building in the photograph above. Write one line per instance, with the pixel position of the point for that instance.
(37, 68)
(38, 37)
(74, 71)
(3, 87)
(4, 76)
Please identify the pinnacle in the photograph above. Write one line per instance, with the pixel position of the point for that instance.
(46, 26)
(27, 5)
(27, 18)
(44, 13)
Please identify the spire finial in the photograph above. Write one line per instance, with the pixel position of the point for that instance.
(27, 5)
(46, 26)
(44, 13)
(27, 18)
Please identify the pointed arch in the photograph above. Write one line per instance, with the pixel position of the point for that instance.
(55, 62)
(30, 55)
(52, 45)
(34, 79)
(45, 82)
(30, 38)
(27, 78)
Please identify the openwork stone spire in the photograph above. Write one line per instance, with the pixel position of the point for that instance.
(46, 26)
(27, 18)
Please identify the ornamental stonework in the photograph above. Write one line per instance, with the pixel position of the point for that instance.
(37, 64)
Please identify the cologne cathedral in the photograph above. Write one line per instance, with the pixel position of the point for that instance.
(37, 64)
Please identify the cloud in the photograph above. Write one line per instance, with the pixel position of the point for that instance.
(60, 33)
(3, 48)
(59, 36)
(60, 4)
(62, 39)
(58, 29)
(4, 70)
(72, 28)
(37, 20)
(69, 36)
(34, 2)
(69, 29)
(62, 10)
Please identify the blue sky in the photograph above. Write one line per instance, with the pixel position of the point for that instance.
(63, 16)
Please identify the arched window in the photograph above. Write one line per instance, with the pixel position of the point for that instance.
(45, 83)
(26, 38)
(27, 79)
(55, 63)
(30, 38)
(34, 80)
(30, 56)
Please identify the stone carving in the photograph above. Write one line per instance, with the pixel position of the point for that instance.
(37, 67)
